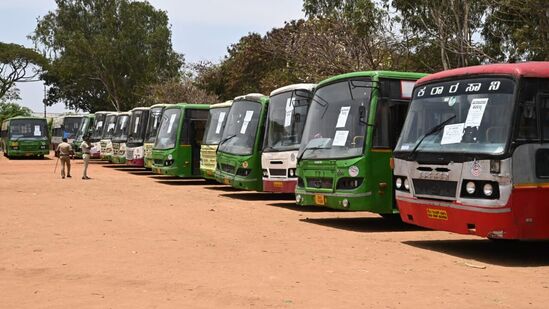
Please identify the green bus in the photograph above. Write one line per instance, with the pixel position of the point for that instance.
(176, 150)
(239, 151)
(120, 137)
(352, 126)
(86, 128)
(153, 123)
(106, 136)
(212, 136)
(25, 137)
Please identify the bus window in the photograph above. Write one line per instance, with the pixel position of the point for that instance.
(391, 113)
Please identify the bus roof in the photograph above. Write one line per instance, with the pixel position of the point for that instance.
(160, 105)
(221, 105)
(382, 74)
(189, 105)
(524, 69)
(257, 97)
(25, 117)
(309, 87)
(140, 108)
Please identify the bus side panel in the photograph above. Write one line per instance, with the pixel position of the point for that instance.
(380, 177)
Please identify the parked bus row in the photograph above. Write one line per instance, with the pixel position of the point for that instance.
(471, 145)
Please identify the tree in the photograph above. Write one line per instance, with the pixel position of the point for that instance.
(517, 30)
(10, 109)
(18, 64)
(105, 53)
(179, 91)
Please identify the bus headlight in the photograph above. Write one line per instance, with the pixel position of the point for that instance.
(406, 184)
(292, 172)
(398, 183)
(470, 187)
(170, 157)
(488, 189)
(265, 173)
(298, 198)
(345, 203)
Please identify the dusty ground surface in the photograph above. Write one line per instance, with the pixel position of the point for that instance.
(129, 239)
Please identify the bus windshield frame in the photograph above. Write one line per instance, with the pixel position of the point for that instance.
(28, 129)
(241, 128)
(121, 131)
(215, 125)
(166, 137)
(474, 116)
(337, 120)
(153, 123)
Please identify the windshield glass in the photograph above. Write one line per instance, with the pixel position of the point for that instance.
(121, 131)
(167, 133)
(28, 128)
(153, 123)
(215, 125)
(241, 128)
(336, 123)
(84, 126)
(286, 121)
(108, 128)
(71, 126)
(137, 125)
(97, 131)
(481, 110)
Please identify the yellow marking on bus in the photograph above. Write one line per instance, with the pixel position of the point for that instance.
(381, 150)
(531, 185)
(437, 214)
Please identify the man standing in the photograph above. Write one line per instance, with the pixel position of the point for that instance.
(86, 147)
(65, 152)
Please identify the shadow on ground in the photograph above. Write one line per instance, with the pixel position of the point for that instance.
(182, 182)
(223, 188)
(291, 205)
(365, 225)
(500, 252)
(259, 196)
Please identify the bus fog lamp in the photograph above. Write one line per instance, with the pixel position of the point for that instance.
(488, 189)
(298, 198)
(406, 184)
(470, 187)
(398, 183)
(345, 203)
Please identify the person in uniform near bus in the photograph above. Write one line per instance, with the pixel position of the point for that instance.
(65, 152)
(86, 148)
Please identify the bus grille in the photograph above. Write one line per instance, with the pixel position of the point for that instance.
(129, 154)
(158, 162)
(227, 168)
(277, 172)
(320, 183)
(435, 187)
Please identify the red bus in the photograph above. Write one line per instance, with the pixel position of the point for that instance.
(473, 156)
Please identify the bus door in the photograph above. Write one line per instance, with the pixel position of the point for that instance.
(194, 126)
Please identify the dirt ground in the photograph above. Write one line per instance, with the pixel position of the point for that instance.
(130, 239)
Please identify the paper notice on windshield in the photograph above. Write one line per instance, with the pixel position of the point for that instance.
(247, 120)
(289, 112)
(220, 122)
(343, 115)
(340, 138)
(111, 126)
(99, 125)
(170, 124)
(476, 112)
(37, 130)
(453, 133)
(136, 124)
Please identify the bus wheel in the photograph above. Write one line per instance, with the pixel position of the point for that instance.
(391, 217)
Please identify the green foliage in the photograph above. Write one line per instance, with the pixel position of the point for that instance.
(178, 91)
(8, 110)
(18, 64)
(518, 30)
(105, 53)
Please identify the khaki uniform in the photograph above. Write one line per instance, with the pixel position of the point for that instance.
(65, 151)
(85, 157)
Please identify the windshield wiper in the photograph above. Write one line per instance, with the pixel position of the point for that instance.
(433, 130)
(225, 139)
(309, 148)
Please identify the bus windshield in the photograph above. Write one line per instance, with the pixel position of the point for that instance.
(71, 126)
(336, 123)
(84, 128)
(98, 126)
(137, 124)
(152, 124)
(286, 121)
(108, 128)
(28, 128)
(216, 123)
(167, 133)
(121, 131)
(240, 131)
(460, 116)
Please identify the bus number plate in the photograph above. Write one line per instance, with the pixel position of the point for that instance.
(437, 214)
(227, 181)
(320, 199)
(278, 184)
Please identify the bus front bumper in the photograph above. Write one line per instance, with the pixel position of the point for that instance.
(208, 173)
(336, 200)
(118, 159)
(238, 182)
(28, 153)
(165, 170)
(279, 186)
(140, 162)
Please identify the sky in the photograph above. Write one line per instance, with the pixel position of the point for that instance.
(201, 29)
